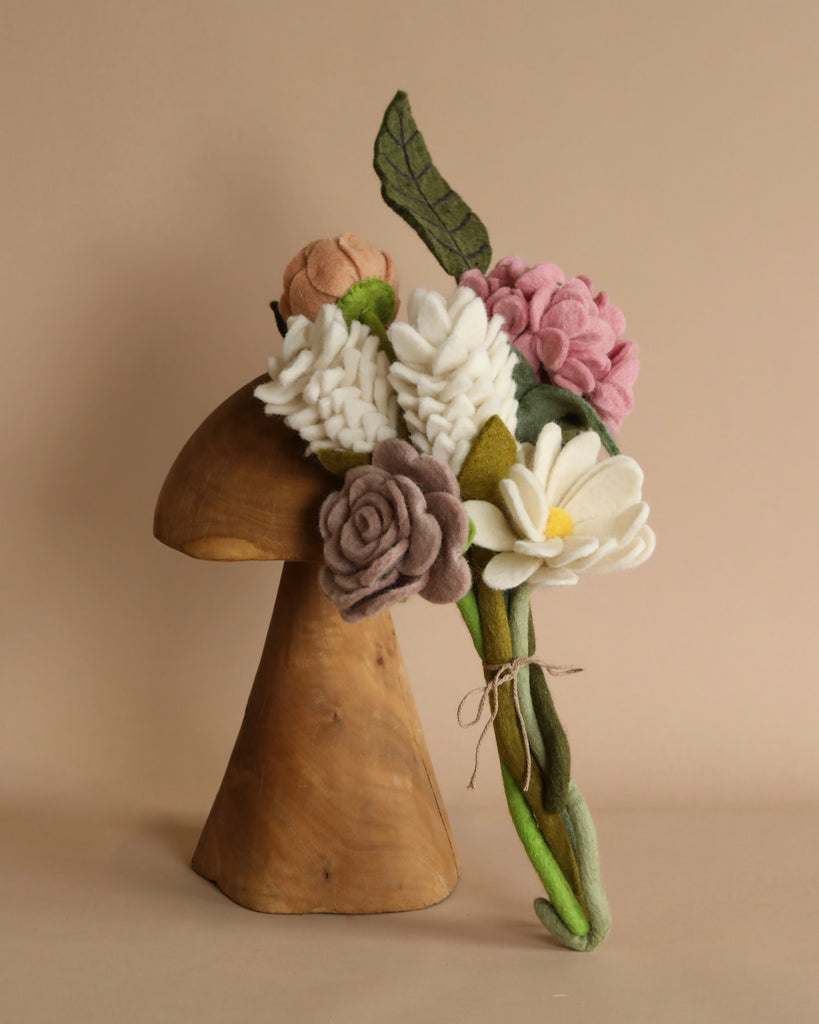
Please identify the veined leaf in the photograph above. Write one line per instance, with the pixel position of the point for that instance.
(415, 189)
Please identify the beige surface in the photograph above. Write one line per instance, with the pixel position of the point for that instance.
(105, 922)
(161, 163)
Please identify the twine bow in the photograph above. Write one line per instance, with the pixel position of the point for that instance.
(506, 673)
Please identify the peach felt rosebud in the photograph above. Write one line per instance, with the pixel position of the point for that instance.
(324, 270)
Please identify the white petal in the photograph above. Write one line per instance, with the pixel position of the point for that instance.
(431, 407)
(434, 425)
(623, 526)
(491, 528)
(460, 451)
(574, 548)
(541, 549)
(606, 489)
(508, 570)
(433, 319)
(300, 365)
(531, 493)
(630, 556)
(546, 576)
(411, 348)
(451, 355)
(607, 547)
(544, 453)
(575, 459)
(518, 511)
(460, 299)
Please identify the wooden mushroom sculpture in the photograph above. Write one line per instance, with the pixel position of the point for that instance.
(329, 801)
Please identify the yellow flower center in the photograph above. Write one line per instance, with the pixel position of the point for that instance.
(559, 523)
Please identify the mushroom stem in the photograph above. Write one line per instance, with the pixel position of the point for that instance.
(329, 801)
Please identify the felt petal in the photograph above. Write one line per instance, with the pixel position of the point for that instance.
(606, 489)
(574, 548)
(546, 576)
(532, 496)
(630, 556)
(544, 453)
(492, 531)
(411, 348)
(607, 547)
(623, 526)
(517, 510)
(549, 548)
(575, 459)
(508, 570)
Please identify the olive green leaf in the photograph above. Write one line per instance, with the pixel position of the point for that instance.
(415, 189)
(492, 455)
(338, 461)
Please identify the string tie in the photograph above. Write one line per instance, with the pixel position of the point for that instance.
(499, 675)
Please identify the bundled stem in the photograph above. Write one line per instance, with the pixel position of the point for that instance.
(549, 814)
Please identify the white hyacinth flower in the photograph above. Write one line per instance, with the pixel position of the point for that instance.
(331, 385)
(566, 514)
(453, 371)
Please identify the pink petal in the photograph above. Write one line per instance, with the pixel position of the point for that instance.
(552, 347)
(475, 280)
(512, 306)
(575, 376)
(567, 314)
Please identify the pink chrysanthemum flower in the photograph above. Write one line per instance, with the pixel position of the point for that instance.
(569, 336)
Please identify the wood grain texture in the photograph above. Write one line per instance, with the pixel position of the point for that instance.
(329, 801)
(242, 488)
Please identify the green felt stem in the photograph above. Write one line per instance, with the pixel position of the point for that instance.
(547, 739)
(584, 839)
(550, 831)
(371, 320)
(522, 648)
(468, 607)
(562, 902)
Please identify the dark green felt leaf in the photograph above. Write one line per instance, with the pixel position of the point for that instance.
(338, 461)
(415, 189)
(371, 295)
(490, 458)
(557, 772)
(539, 404)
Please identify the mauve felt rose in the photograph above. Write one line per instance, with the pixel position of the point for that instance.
(569, 336)
(396, 528)
(324, 270)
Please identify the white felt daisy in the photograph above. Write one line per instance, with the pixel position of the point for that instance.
(331, 385)
(566, 514)
(453, 372)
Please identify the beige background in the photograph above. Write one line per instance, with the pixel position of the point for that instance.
(161, 163)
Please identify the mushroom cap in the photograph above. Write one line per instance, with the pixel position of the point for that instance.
(243, 489)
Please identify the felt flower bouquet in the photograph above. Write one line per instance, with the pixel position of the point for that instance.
(472, 441)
